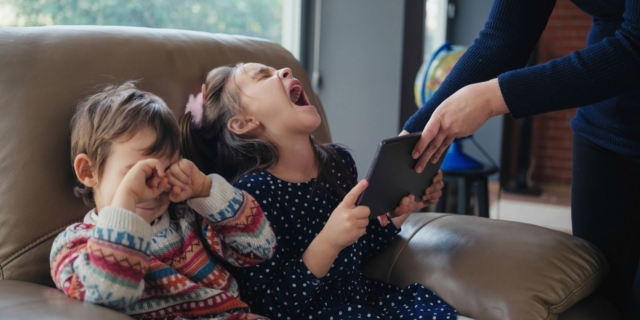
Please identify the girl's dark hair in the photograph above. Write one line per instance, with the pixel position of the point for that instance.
(215, 149)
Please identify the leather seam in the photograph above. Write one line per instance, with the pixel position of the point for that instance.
(587, 281)
(32, 245)
(393, 264)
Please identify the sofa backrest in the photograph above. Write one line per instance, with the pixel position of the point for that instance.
(46, 71)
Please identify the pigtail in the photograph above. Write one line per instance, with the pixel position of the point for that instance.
(194, 146)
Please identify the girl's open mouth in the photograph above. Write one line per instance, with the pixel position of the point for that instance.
(296, 93)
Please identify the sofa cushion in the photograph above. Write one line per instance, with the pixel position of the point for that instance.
(490, 269)
(46, 71)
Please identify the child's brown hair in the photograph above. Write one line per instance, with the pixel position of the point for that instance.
(120, 112)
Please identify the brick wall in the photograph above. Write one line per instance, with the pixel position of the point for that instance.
(552, 137)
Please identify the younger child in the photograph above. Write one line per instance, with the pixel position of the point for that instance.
(255, 128)
(136, 251)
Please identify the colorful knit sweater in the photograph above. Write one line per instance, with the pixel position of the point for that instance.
(171, 268)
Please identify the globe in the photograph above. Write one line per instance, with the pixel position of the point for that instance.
(428, 80)
(433, 72)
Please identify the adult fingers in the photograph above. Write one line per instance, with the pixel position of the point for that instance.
(443, 147)
(431, 149)
(430, 131)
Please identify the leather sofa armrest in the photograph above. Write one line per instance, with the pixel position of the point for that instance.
(24, 300)
(491, 269)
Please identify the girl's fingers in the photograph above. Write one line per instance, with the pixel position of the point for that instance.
(159, 167)
(177, 172)
(164, 182)
(177, 183)
(434, 187)
(177, 194)
(438, 177)
(362, 223)
(167, 188)
(383, 219)
(435, 197)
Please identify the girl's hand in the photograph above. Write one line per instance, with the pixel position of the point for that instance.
(144, 181)
(458, 116)
(409, 204)
(348, 222)
(187, 181)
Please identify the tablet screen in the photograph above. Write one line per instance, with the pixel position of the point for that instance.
(392, 175)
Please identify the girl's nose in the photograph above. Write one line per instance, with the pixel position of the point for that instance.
(285, 73)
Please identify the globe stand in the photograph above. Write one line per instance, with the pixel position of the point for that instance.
(457, 160)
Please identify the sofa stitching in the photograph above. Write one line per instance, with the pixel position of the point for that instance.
(393, 264)
(32, 245)
(587, 281)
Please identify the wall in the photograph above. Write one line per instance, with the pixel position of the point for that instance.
(469, 20)
(360, 69)
(552, 137)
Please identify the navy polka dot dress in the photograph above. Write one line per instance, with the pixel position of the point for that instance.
(283, 287)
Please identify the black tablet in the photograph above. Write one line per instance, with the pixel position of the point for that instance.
(392, 175)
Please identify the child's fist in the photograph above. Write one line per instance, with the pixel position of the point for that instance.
(143, 182)
(187, 181)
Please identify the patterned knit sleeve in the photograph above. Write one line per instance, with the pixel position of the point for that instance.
(104, 263)
(234, 225)
(282, 287)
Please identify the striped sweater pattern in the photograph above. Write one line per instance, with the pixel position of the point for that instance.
(171, 269)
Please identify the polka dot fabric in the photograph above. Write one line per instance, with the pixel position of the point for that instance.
(283, 287)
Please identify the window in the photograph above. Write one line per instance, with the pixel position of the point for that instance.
(274, 20)
(437, 12)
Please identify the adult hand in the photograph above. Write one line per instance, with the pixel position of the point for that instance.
(458, 116)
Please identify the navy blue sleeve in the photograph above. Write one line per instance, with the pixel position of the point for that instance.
(601, 71)
(283, 285)
(509, 35)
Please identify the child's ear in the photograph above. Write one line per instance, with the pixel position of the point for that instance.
(84, 171)
(204, 90)
(242, 125)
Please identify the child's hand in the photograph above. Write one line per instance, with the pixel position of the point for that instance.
(187, 181)
(347, 222)
(409, 204)
(144, 181)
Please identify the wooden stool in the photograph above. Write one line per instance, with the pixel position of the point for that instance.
(466, 180)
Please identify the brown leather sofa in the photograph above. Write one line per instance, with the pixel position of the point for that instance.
(486, 269)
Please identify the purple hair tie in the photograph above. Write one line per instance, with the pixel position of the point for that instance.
(195, 106)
